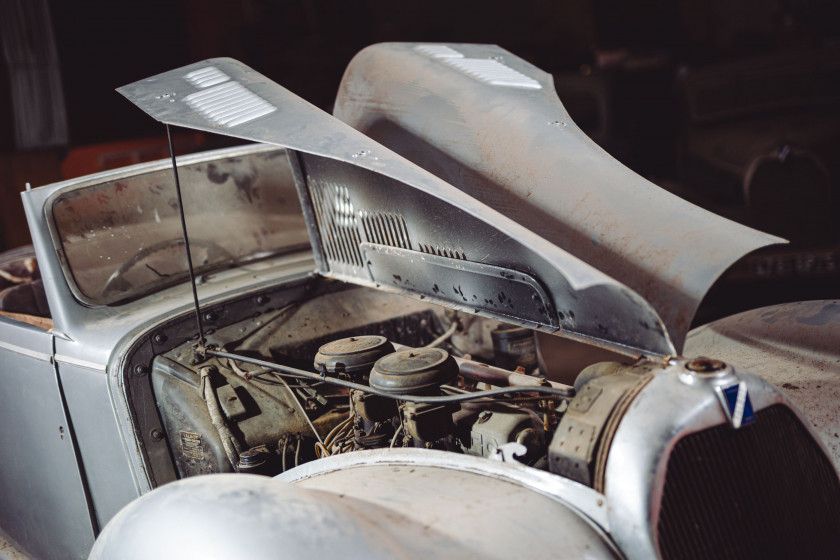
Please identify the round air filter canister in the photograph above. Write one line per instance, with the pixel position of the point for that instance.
(353, 356)
(413, 372)
(255, 461)
(514, 347)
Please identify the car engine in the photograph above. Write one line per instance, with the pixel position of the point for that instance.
(225, 414)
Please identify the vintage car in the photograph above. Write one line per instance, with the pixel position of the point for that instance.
(441, 323)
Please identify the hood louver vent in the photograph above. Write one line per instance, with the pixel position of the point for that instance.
(386, 229)
(344, 226)
(444, 252)
(338, 224)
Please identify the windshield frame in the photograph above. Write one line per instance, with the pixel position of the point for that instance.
(164, 165)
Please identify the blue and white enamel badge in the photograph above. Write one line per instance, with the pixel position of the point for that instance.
(736, 403)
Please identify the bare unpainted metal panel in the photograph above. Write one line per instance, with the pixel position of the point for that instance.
(518, 151)
(444, 500)
(589, 503)
(375, 512)
(345, 176)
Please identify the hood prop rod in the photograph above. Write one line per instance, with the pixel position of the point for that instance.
(201, 339)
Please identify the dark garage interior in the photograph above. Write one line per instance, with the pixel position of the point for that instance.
(731, 105)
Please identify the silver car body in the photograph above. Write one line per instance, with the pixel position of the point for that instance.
(83, 442)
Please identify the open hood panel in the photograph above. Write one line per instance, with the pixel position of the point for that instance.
(492, 125)
(377, 219)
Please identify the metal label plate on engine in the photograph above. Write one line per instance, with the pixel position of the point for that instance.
(191, 445)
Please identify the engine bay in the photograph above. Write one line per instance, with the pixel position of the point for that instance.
(383, 371)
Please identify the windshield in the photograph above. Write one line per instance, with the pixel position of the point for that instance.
(122, 238)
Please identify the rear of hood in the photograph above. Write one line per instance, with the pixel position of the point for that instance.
(377, 219)
(492, 125)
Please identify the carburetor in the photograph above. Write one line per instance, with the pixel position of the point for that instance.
(419, 372)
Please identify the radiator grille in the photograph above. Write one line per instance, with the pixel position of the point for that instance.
(762, 491)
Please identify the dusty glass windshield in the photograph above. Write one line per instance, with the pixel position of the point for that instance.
(122, 238)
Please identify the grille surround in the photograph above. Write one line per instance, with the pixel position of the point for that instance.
(677, 403)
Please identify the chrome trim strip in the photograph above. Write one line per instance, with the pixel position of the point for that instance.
(62, 359)
(40, 356)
